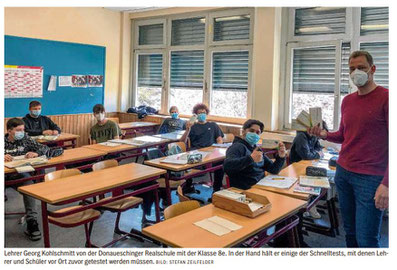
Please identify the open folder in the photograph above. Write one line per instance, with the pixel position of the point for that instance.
(218, 225)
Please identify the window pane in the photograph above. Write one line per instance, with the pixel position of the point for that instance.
(374, 20)
(151, 34)
(187, 71)
(320, 21)
(345, 86)
(188, 31)
(313, 81)
(150, 72)
(380, 55)
(229, 83)
(232, 28)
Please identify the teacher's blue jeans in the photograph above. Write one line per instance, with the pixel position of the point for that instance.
(361, 219)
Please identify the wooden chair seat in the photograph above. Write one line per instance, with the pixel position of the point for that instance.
(122, 204)
(173, 184)
(180, 208)
(74, 219)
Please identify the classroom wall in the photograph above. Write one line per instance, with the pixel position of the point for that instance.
(96, 26)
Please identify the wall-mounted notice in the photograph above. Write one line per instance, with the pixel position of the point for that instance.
(65, 81)
(95, 80)
(79, 81)
(52, 85)
(23, 81)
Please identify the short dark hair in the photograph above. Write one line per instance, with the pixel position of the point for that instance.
(200, 106)
(34, 103)
(250, 122)
(173, 107)
(367, 55)
(98, 108)
(14, 122)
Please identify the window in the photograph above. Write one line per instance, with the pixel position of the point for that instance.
(149, 80)
(313, 81)
(320, 21)
(231, 28)
(374, 21)
(186, 80)
(230, 83)
(201, 57)
(188, 31)
(318, 50)
(151, 34)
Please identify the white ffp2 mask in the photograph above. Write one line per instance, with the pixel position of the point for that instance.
(359, 77)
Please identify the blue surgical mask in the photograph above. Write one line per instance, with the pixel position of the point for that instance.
(174, 115)
(19, 135)
(36, 113)
(202, 117)
(252, 138)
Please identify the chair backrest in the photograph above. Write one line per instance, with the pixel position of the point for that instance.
(182, 198)
(228, 137)
(182, 145)
(180, 208)
(61, 174)
(105, 164)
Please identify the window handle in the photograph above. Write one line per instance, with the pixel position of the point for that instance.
(164, 85)
(205, 87)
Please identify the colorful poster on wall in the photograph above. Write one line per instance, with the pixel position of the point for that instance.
(95, 80)
(23, 81)
(79, 81)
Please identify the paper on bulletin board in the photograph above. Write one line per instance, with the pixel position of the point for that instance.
(95, 80)
(64, 81)
(52, 86)
(80, 81)
(23, 81)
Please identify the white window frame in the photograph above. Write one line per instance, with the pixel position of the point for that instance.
(289, 68)
(291, 28)
(227, 13)
(139, 23)
(209, 75)
(135, 77)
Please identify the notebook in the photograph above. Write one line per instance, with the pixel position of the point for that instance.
(27, 161)
(314, 181)
(277, 181)
(307, 190)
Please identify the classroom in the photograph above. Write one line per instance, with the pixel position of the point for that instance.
(196, 127)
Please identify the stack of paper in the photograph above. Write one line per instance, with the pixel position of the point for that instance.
(277, 181)
(176, 159)
(45, 137)
(306, 120)
(314, 181)
(222, 145)
(111, 144)
(231, 195)
(308, 190)
(25, 162)
(218, 225)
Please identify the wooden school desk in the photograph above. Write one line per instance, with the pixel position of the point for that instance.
(295, 170)
(132, 128)
(79, 187)
(215, 155)
(181, 232)
(60, 141)
(69, 157)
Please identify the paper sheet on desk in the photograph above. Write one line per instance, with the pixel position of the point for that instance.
(218, 225)
(111, 144)
(277, 181)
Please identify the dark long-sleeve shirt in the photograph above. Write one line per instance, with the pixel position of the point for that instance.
(304, 147)
(364, 133)
(36, 126)
(243, 172)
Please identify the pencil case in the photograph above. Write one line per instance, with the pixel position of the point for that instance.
(194, 158)
(316, 171)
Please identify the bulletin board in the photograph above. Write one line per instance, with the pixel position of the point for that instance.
(58, 59)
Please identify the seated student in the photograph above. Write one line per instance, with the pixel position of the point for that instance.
(305, 146)
(17, 143)
(245, 163)
(174, 123)
(37, 124)
(203, 134)
(104, 129)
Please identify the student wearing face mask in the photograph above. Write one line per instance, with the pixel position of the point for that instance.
(174, 123)
(245, 163)
(37, 124)
(203, 134)
(18, 143)
(104, 129)
(362, 171)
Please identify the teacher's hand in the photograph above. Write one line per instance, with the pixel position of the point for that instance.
(382, 197)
